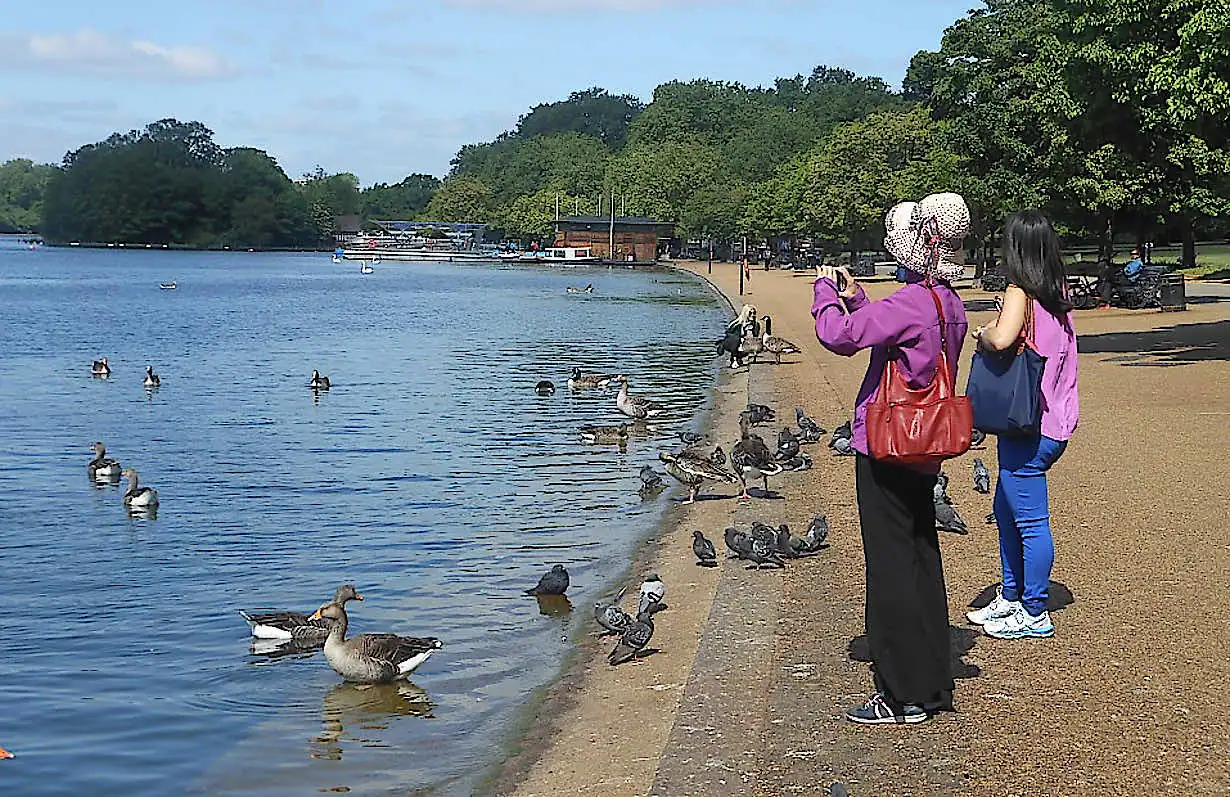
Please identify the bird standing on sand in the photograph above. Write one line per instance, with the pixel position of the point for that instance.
(613, 619)
(635, 638)
(751, 458)
(982, 477)
(738, 543)
(764, 547)
(946, 516)
(652, 591)
(842, 432)
(553, 582)
(706, 554)
(152, 379)
(635, 406)
(809, 430)
(693, 470)
(775, 345)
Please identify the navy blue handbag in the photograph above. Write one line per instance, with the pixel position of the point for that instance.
(1005, 388)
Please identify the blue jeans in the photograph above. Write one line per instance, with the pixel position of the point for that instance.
(1023, 515)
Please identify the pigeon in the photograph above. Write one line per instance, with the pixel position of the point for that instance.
(787, 445)
(990, 521)
(785, 542)
(841, 433)
(751, 457)
(635, 638)
(940, 490)
(738, 542)
(706, 554)
(809, 430)
(554, 582)
(690, 438)
(545, 388)
(650, 479)
(817, 532)
(977, 437)
(838, 789)
(613, 619)
(982, 477)
(764, 548)
(759, 413)
(653, 591)
(718, 457)
(800, 462)
(948, 519)
(842, 446)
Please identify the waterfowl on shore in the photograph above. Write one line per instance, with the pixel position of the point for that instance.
(101, 368)
(706, 554)
(635, 637)
(295, 625)
(775, 345)
(635, 406)
(371, 658)
(102, 468)
(652, 591)
(151, 379)
(319, 382)
(809, 430)
(613, 619)
(580, 380)
(751, 457)
(545, 388)
(138, 497)
(605, 434)
(750, 347)
(692, 470)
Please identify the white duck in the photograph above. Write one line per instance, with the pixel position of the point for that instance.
(139, 497)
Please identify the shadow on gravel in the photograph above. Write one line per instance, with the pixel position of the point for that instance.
(1179, 345)
(962, 640)
(979, 305)
(1060, 597)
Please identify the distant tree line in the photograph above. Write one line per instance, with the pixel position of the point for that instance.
(1111, 115)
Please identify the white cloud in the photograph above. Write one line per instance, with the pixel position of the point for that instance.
(87, 51)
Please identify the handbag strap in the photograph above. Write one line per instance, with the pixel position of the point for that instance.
(1028, 329)
(941, 365)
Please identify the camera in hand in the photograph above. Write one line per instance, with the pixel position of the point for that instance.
(841, 282)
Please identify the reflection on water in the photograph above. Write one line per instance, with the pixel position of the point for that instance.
(432, 477)
(356, 714)
(270, 649)
(554, 605)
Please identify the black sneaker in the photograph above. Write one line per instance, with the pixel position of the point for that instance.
(877, 711)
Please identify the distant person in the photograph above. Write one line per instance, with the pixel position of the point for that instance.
(907, 602)
(1134, 267)
(1037, 282)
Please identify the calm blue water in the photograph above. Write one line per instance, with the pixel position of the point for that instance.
(431, 476)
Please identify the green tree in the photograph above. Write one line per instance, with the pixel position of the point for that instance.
(593, 113)
(461, 199)
(22, 185)
(400, 202)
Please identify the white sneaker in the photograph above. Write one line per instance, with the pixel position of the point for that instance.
(995, 611)
(1021, 624)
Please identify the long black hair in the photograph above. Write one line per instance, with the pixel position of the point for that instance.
(1033, 260)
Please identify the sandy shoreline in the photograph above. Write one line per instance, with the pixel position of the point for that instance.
(754, 669)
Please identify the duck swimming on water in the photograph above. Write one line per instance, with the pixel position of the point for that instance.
(102, 468)
(295, 626)
(138, 497)
(319, 382)
(371, 658)
(101, 368)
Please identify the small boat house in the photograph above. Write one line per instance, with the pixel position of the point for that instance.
(624, 239)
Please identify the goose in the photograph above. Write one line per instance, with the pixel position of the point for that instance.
(693, 470)
(294, 625)
(101, 468)
(751, 458)
(751, 346)
(775, 345)
(635, 406)
(101, 368)
(138, 497)
(545, 387)
(151, 379)
(371, 658)
(319, 382)
(605, 434)
(581, 380)
(587, 289)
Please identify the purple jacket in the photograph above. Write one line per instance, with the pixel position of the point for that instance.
(906, 320)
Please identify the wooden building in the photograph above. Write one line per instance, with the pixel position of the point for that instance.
(636, 238)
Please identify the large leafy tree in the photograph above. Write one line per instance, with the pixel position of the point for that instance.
(461, 199)
(22, 185)
(593, 113)
(402, 201)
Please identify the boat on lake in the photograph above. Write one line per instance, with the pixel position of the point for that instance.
(167, 286)
(561, 256)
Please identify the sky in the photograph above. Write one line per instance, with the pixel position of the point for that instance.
(384, 89)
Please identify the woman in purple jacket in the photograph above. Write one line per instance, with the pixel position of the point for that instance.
(907, 603)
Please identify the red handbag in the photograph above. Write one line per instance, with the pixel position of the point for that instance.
(908, 426)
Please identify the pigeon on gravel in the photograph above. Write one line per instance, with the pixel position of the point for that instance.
(838, 789)
(652, 591)
(817, 532)
(842, 432)
(718, 457)
(982, 477)
(809, 430)
(760, 413)
(764, 550)
(635, 638)
(842, 446)
(706, 554)
(554, 582)
(948, 519)
(613, 619)
(990, 519)
(787, 445)
(800, 462)
(738, 543)
(940, 490)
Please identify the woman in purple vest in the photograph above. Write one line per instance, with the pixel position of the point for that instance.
(1033, 264)
(907, 602)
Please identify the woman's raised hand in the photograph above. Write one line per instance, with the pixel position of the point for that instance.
(840, 277)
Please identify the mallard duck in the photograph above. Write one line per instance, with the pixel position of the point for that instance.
(371, 658)
(775, 345)
(101, 468)
(692, 470)
(319, 382)
(581, 380)
(635, 406)
(605, 434)
(101, 368)
(151, 379)
(751, 457)
(294, 625)
(138, 497)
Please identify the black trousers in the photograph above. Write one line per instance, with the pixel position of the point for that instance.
(907, 603)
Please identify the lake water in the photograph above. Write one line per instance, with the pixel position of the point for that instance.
(431, 476)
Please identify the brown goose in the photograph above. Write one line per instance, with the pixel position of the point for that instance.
(101, 467)
(138, 497)
(693, 470)
(371, 658)
(775, 345)
(296, 625)
(635, 406)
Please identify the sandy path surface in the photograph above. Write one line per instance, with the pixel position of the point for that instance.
(756, 667)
